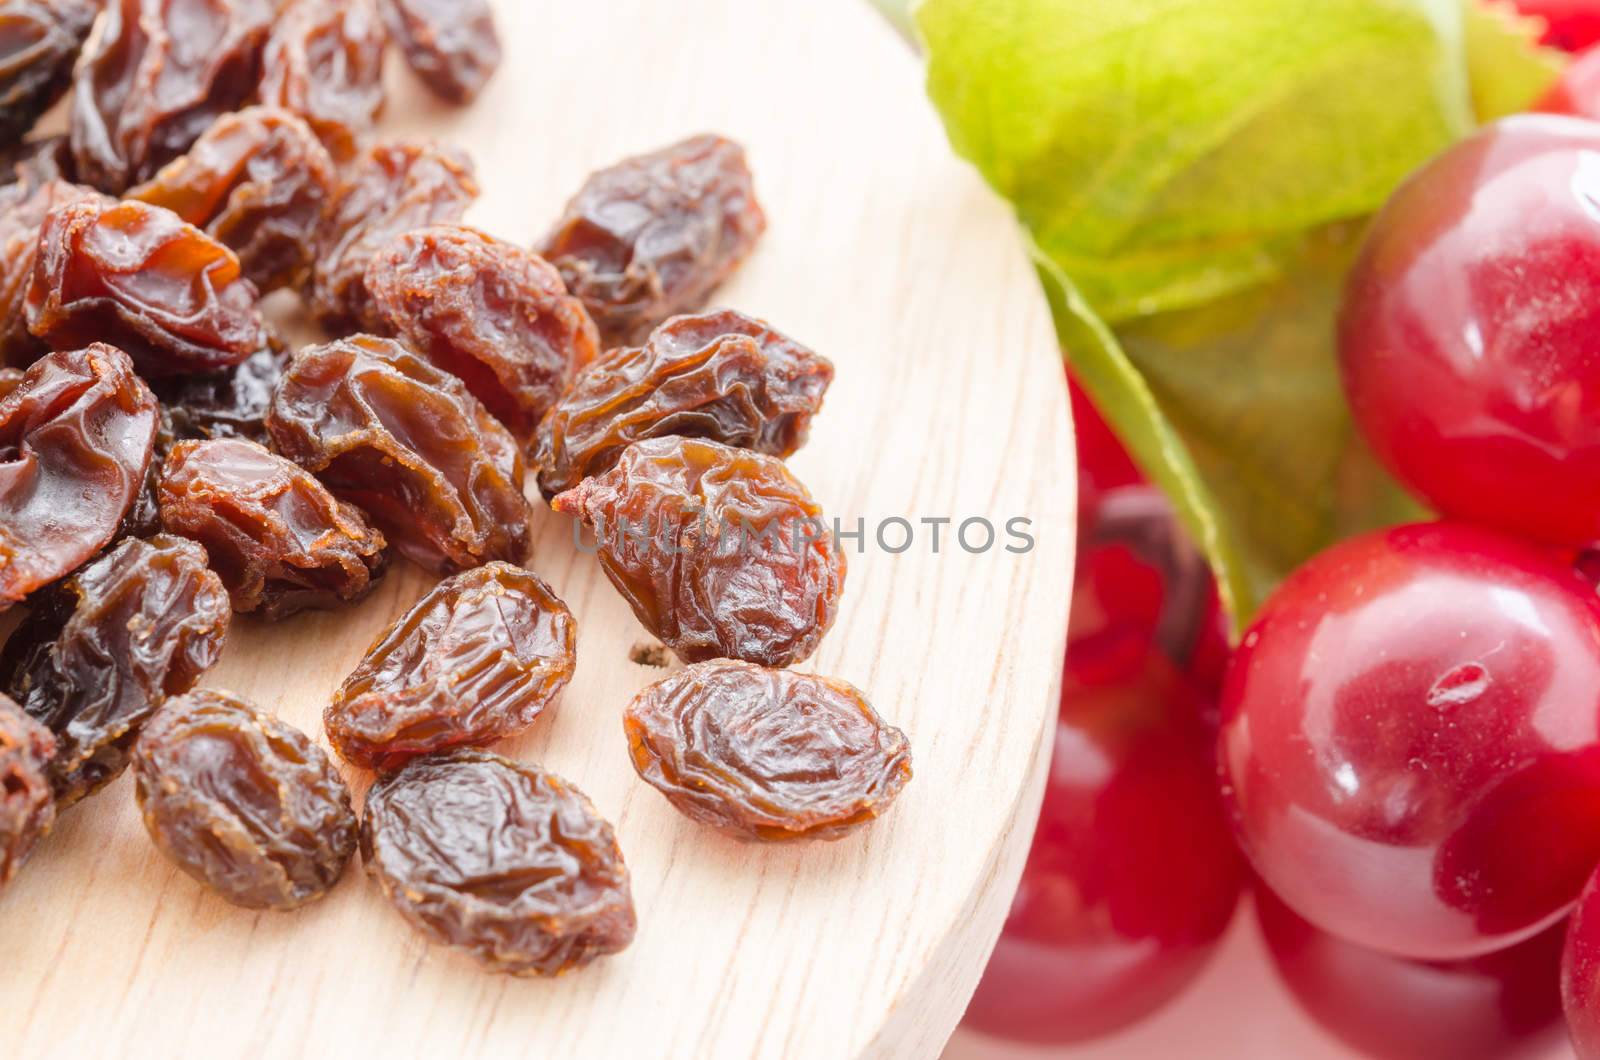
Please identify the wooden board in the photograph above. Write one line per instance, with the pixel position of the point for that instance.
(889, 256)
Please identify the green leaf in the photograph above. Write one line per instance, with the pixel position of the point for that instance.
(1166, 152)
(1508, 69)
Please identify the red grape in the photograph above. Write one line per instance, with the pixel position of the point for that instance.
(1103, 463)
(1132, 877)
(1409, 740)
(1470, 336)
(1495, 1007)
(1141, 585)
(1580, 973)
(1569, 24)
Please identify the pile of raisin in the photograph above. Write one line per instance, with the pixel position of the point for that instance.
(167, 461)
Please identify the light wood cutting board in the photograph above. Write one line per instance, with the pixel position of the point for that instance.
(890, 257)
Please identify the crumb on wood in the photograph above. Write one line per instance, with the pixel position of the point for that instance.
(649, 653)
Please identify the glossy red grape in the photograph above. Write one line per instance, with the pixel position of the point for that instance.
(1140, 584)
(1103, 463)
(1132, 877)
(1577, 90)
(1409, 740)
(1495, 1007)
(1470, 335)
(1569, 24)
(1580, 973)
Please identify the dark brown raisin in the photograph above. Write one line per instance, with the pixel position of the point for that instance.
(243, 802)
(103, 649)
(231, 403)
(476, 660)
(27, 805)
(766, 754)
(496, 316)
(155, 76)
(324, 62)
(75, 442)
(279, 540)
(720, 552)
(407, 444)
(259, 182)
(653, 236)
(504, 861)
(137, 275)
(721, 375)
(452, 45)
(39, 42)
(390, 189)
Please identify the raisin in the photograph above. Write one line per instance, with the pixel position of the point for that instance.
(10, 379)
(720, 552)
(39, 42)
(231, 403)
(496, 316)
(259, 183)
(476, 660)
(504, 861)
(324, 62)
(278, 539)
(27, 805)
(766, 754)
(75, 442)
(23, 208)
(721, 375)
(144, 515)
(103, 649)
(243, 802)
(406, 443)
(36, 162)
(389, 190)
(137, 275)
(155, 76)
(452, 45)
(654, 235)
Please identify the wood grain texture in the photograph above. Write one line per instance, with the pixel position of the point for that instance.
(890, 257)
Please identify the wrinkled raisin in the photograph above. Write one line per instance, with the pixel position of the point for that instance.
(720, 552)
(452, 45)
(75, 442)
(654, 235)
(138, 276)
(496, 316)
(27, 805)
(324, 62)
(23, 208)
(259, 183)
(389, 190)
(39, 42)
(504, 861)
(231, 403)
(766, 754)
(722, 376)
(156, 74)
(243, 802)
(407, 444)
(476, 660)
(103, 649)
(279, 540)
